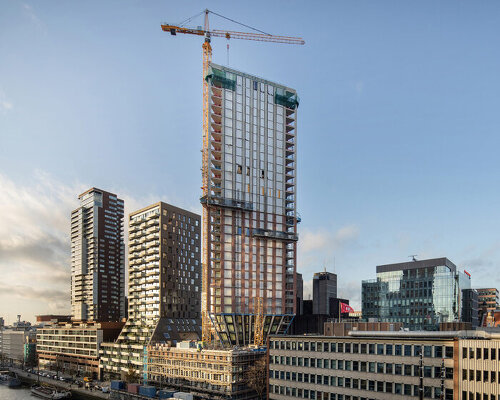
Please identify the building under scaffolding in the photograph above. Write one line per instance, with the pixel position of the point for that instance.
(207, 373)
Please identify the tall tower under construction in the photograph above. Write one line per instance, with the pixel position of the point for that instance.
(250, 220)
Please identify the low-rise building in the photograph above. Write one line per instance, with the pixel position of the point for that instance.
(333, 328)
(207, 373)
(460, 365)
(74, 347)
(13, 345)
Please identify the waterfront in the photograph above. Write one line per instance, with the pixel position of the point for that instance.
(15, 394)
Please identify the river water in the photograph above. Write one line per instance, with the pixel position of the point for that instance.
(15, 394)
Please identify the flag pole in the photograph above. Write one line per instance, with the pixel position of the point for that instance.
(340, 314)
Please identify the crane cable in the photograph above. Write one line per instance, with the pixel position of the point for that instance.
(239, 23)
(222, 16)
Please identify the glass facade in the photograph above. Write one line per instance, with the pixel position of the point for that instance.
(419, 294)
(250, 221)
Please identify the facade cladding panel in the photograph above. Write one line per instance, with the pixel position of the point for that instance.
(250, 226)
(97, 258)
(420, 294)
(164, 285)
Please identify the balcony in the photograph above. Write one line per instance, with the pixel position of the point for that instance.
(256, 232)
(223, 202)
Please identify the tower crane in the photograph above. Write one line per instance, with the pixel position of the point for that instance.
(208, 33)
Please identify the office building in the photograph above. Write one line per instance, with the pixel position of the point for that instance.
(487, 301)
(97, 258)
(386, 365)
(164, 286)
(249, 207)
(2, 323)
(324, 289)
(420, 294)
(470, 307)
(300, 294)
(73, 348)
(206, 373)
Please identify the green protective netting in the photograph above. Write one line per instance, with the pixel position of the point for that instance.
(219, 78)
(286, 99)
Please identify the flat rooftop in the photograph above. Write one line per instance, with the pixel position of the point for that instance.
(432, 262)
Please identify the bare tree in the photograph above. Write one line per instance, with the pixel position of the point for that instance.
(131, 376)
(255, 377)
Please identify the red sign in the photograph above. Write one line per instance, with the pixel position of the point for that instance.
(345, 308)
(467, 273)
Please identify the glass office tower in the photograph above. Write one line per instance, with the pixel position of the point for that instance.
(250, 220)
(420, 294)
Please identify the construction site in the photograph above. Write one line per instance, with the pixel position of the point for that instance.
(205, 373)
(248, 240)
(249, 226)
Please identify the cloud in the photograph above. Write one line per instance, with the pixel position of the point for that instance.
(351, 290)
(325, 240)
(35, 245)
(5, 104)
(57, 301)
(34, 242)
(30, 13)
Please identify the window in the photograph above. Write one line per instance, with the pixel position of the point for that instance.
(398, 350)
(449, 351)
(464, 352)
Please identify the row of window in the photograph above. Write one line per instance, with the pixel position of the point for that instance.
(378, 386)
(480, 376)
(406, 350)
(479, 396)
(480, 353)
(370, 367)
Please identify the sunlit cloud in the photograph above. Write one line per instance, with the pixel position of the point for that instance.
(34, 241)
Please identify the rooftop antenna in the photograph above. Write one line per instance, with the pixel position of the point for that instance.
(413, 257)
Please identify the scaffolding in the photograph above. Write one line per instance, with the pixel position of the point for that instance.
(205, 372)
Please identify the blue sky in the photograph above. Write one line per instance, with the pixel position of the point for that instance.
(398, 127)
